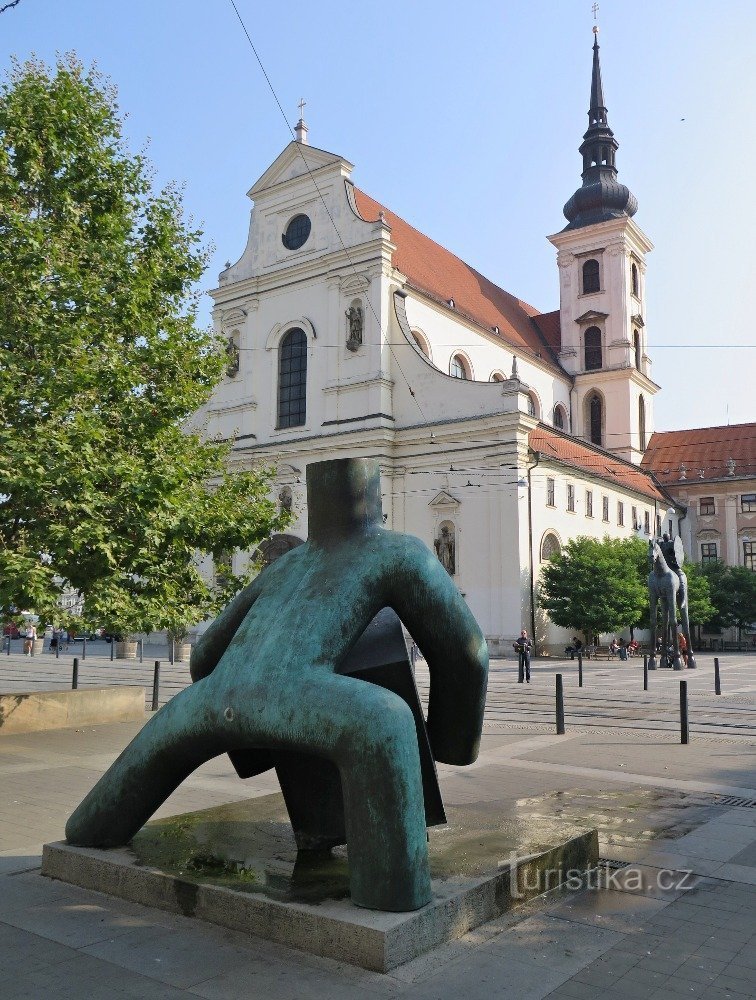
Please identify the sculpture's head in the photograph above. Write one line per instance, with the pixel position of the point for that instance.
(343, 496)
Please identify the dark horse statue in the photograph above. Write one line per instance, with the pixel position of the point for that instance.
(671, 587)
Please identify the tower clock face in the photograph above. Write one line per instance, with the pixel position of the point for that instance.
(297, 232)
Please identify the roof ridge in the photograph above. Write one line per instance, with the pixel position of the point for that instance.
(425, 236)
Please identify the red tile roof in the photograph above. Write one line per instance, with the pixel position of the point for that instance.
(565, 449)
(438, 273)
(704, 448)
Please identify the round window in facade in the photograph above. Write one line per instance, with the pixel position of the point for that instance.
(297, 232)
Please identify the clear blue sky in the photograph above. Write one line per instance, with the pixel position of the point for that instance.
(465, 119)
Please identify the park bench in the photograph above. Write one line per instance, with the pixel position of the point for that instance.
(599, 653)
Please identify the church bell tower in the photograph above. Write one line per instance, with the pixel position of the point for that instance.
(602, 266)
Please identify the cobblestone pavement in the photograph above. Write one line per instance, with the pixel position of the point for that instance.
(660, 807)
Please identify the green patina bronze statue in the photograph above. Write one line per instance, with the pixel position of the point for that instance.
(271, 689)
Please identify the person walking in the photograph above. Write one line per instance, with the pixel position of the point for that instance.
(29, 636)
(523, 646)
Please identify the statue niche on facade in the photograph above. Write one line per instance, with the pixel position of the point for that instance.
(271, 691)
(445, 546)
(356, 323)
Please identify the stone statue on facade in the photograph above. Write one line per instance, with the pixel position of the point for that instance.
(445, 547)
(270, 689)
(232, 357)
(355, 316)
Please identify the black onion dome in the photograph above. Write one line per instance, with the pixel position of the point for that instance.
(601, 196)
(598, 201)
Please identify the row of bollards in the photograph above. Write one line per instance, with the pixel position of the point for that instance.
(684, 727)
(155, 682)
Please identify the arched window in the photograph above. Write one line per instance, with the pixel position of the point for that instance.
(559, 420)
(458, 367)
(550, 546)
(421, 343)
(496, 377)
(292, 379)
(637, 349)
(634, 283)
(591, 276)
(593, 359)
(642, 423)
(595, 415)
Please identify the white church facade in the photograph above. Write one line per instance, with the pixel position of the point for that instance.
(501, 431)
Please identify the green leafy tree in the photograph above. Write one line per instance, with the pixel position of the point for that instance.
(103, 481)
(701, 608)
(734, 594)
(593, 586)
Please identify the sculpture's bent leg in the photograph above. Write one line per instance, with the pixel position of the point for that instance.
(370, 734)
(172, 745)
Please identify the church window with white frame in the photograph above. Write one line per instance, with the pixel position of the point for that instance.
(593, 350)
(591, 276)
(459, 367)
(292, 380)
(550, 547)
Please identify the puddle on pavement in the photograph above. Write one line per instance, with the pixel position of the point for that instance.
(249, 845)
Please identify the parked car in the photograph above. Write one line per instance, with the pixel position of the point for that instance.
(12, 631)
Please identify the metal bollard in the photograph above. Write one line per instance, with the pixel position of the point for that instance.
(57, 647)
(580, 669)
(717, 682)
(9, 642)
(141, 650)
(173, 651)
(645, 672)
(559, 706)
(84, 648)
(520, 668)
(684, 730)
(156, 686)
(75, 677)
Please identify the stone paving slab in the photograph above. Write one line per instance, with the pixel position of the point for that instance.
(695, 943)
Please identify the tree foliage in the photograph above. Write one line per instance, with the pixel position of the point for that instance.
(733, 591)
(701, 608)
(101, 366)
(593, 586)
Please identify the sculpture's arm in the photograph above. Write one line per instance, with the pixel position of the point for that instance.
(425, 598)
(212, 644)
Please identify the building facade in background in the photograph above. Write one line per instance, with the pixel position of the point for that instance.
(502, 432)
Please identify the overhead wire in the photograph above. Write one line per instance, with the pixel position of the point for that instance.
(325, 205)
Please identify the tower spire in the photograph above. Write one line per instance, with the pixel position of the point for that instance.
(601, 196)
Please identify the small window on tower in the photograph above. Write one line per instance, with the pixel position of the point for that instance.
(634, 282)
(591, 277)
(593, 352)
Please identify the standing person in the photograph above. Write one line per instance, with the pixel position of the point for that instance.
(523, 646)
(29, 636)
(622, 650)
(682, 643)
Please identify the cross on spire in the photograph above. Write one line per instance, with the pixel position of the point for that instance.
(595, 8)
(301, 130)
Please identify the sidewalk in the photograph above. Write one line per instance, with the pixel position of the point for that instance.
(651, 798)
